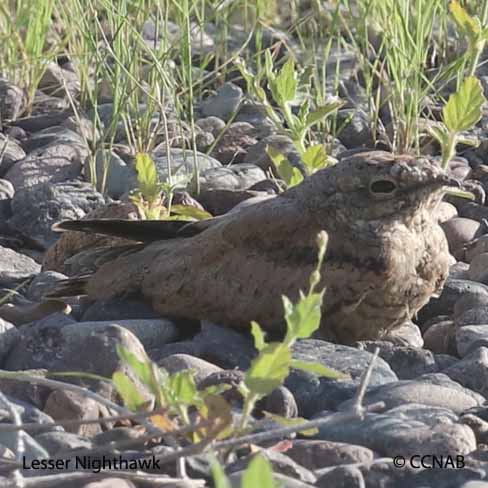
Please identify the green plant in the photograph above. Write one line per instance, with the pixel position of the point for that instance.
(258, 473)
(461, 112)
(24, 29)
(154, 199)
(286, 89)
(474, 29)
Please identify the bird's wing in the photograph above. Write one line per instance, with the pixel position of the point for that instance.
(136, 230)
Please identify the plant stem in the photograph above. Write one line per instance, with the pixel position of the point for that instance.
(481, 44)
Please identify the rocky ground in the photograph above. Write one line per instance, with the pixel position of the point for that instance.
(432, 374)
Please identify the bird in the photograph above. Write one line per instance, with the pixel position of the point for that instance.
(386, 254)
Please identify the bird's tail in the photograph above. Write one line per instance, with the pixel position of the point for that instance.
(137, 230)
(69, 288)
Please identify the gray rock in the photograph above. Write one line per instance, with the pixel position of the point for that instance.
(55, 163)
(13, 101)
(478, 268)
(473, 316)
(279, 402)
(111, 173)
(389, 476)
(35, 123)
(181, 362)
(56, 81)
(118, 309)
(257, 154)
(16, 263)
(314, 394)
(182, 164)
(408, 334)
(213, 125)
(342, 477)
(233, 144)
(388, 434)
(354, 128)
(117, 434)
(224, 103)
(151, 332)
(256, 115)
(471, 337)
(477, 246)
(43, 103)
(406, 362)
(51, 347)
(42, 284)
(11, 153)
(9, 337)
(55, 442)
(446, 211)
(7, 190)
(453, 290)
(459, 271)
(440, 338)
(32, 449)
(235, 177)
(64, 404)
(111, 483)
(459, 231)
(52, 135)
(36, 209)
(435, 390)
(426, 414)
(317, 454)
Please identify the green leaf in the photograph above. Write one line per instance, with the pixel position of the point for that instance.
(286, 82)
(456, 192)
(269, 369)
(182, 385)
(439, 133)
(463, 109)
(303, 318)
(322, 112)
(219, 477)
(258, 474)
(258, 334)
(315, 158)
(147, 177)
(467, 25)
(141, 369)
(128, 391)
(289, 422)
(316, 368)
(192, 212)
(288, 173)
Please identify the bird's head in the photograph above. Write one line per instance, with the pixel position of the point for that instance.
(376, 186)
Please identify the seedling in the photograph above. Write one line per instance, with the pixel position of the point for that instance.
(461, 112)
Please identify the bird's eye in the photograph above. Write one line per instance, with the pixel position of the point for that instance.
(383, 187)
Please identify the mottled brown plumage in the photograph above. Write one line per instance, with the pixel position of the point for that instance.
(385, 258)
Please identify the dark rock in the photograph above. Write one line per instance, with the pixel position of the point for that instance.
(55, 163)
(224, 103)
(13, 101)
(406, 362)
(37, 209)
(233, 144)
(314, 394)
(118, 309)
(453, 290)
(435, 390)
(316, 454)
